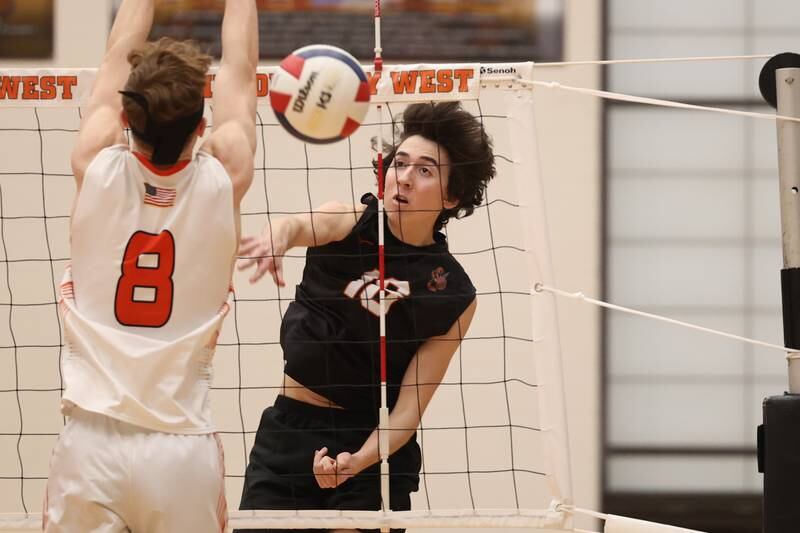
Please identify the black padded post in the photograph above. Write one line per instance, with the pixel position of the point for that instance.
(779, 454)
(790, 296)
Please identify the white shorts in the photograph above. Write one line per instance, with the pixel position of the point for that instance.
(110, 476)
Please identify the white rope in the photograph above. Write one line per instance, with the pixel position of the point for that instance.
(622, 523)
(653, 101)
(650, 60)
(539, 287)
(586, 512)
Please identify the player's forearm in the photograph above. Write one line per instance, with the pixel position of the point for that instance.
(331, 221)
(301, 231)
(240, 34)
(403, 424)
(132, 24)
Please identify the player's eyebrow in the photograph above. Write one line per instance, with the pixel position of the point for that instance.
(433, 161)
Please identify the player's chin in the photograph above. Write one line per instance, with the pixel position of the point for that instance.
(393, 213)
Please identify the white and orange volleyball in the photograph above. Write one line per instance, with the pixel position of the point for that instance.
(320, 94)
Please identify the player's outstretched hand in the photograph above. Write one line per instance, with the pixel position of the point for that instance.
(266, 252)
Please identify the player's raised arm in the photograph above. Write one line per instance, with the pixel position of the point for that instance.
(101, 125)
(332, 221)
(233, 140)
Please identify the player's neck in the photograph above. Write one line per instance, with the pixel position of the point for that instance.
(413, 234)
(147, 152)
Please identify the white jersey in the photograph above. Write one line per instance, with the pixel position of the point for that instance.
(147, 289)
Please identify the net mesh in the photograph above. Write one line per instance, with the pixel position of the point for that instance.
(481, 436)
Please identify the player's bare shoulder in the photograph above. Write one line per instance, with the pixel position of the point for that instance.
(230, 145)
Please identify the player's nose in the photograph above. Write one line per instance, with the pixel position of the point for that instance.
(404, 175)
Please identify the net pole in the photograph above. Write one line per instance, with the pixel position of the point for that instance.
(383, 421)
(787, 89)
(779, 437)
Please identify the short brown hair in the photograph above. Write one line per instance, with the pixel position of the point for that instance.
(171, 76)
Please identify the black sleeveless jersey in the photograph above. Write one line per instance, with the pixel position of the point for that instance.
(330, 333)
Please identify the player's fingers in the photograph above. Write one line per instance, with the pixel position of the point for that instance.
(246, 244)
(245, 262)
(326, 466)
(245, 248)
(341, 478)
(323, 468)
(330, 471)
(279, 281)
(319, 454)
(329, 465)
(247, 255)
(263, 266)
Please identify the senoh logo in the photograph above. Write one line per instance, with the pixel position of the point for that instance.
(367, 288)
(489, 71)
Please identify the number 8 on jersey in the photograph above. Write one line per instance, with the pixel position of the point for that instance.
(145, 288)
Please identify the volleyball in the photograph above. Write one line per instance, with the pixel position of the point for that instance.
(320, 94)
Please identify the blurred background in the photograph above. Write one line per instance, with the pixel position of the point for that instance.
(672, 212)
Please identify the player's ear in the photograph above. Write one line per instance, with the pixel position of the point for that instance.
(450, 204)
(448, 201)
(123, 117)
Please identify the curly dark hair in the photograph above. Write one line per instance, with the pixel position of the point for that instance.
(464, 139)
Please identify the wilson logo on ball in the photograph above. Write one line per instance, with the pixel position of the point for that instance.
(320, 94)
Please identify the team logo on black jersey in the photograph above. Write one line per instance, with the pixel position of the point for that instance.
(438, 281)
(367, 290)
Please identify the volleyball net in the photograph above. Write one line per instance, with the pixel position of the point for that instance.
(494, 440)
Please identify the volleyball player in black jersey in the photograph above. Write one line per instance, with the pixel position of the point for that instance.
(317, 447)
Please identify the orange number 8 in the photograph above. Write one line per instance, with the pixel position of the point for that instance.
(153, 306)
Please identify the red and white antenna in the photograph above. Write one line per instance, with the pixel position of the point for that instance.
(383, 423)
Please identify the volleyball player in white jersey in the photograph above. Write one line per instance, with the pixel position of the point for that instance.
(154, 233)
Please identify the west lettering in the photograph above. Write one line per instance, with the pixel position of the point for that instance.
(29, 87)
(8, 87)
(404, 82)
(37, 87)
(66, 83)
(463, 75)
(47, 85)
(445, 79)
(426, 85)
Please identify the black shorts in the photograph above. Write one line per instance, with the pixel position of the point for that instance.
(280, 476)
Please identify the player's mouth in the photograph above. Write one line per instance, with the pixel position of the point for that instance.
(400, 199)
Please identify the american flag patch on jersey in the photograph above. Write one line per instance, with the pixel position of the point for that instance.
(158, 196)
